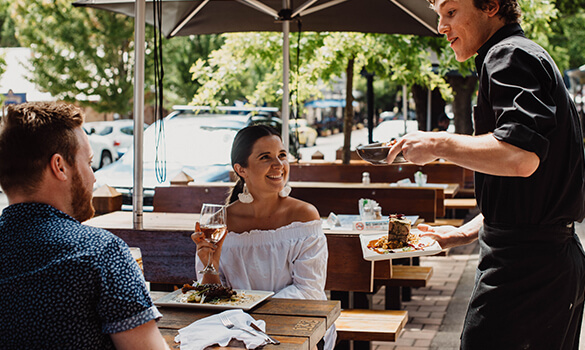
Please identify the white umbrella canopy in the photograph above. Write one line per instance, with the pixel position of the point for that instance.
(188, 17)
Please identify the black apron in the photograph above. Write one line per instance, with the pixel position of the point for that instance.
(529, 289)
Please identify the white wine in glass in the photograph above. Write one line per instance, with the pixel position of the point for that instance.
(213, 226)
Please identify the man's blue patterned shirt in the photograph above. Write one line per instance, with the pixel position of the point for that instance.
(64, 285)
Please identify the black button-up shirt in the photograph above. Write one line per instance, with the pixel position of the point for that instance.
(522, 99)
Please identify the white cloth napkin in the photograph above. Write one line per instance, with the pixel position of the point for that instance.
(210, 330)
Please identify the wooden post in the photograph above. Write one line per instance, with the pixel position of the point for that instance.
(106, 199)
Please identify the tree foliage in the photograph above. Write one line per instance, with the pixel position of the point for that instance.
(79, 54)
(7, 36)
(256, 58)
(179, 53)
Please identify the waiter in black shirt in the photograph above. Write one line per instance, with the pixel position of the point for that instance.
(527, 153)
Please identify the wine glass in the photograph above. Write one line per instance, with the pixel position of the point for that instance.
(213, 226)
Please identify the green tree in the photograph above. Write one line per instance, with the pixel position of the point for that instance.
(179, 53)
(249, 67)
(568, 33)
(80, 55)
(7, 37)
(251, 64)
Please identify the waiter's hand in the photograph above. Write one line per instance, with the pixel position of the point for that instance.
(417, 147)
(447, 236)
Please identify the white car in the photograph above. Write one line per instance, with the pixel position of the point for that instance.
(393, 129)
(196, 144)
(104, 152)
(120, 132)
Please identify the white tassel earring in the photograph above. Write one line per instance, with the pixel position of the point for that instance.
(245, 196)
(285, 191)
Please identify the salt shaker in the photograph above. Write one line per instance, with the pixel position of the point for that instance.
(378, 213)
(365, 178)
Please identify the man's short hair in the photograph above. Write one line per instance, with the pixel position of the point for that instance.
(31, 134)
(509, 9)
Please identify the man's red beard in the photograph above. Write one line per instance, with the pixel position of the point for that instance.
(81, 199)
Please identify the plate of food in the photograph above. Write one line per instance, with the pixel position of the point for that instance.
(213, 296)
(401, 241)
(376, 153)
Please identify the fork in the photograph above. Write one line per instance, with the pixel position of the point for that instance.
(229, 324)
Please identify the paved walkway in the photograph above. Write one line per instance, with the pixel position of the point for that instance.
(436, 312)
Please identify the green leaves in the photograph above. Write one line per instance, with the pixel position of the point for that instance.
(79, 54)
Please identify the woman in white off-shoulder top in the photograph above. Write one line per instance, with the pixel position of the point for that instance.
(274, 242)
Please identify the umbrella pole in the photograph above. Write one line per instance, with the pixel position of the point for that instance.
(285, 85)
(139, 40)
(405, 106)
(429, 99)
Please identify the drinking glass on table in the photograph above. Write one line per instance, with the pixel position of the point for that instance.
(212, 224)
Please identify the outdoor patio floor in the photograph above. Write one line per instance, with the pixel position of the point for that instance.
(436, 312)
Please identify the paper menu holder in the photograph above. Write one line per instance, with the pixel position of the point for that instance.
(333, 220)
(370, 225)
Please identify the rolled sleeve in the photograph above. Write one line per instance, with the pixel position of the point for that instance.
(519, 88)
(124, 301)
(523, 137)
(145, 316)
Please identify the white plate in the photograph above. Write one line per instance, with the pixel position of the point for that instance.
(431, 247)
(248, 299)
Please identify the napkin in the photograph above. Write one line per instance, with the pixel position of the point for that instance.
(210, 330)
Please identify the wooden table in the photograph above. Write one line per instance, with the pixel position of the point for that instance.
(122, 220)
(449, 190)
(297, 324)
(168, 252)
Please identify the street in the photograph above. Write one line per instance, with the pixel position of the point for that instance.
(329, 144)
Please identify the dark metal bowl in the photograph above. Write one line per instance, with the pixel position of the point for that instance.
(376, 153)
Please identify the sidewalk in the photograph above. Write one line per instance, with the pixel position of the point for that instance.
(436, 312)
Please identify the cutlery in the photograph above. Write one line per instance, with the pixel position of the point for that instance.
(229, 324)
(272, 340)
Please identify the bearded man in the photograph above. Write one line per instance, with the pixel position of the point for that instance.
(64, 285)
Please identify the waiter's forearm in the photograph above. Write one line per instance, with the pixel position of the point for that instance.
(486, 154)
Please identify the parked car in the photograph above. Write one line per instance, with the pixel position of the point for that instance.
(306, 134)
(391, 129)
(120, 132)
(276, 123)
(328, 124)
(391, 115)
(197, 144)
(103, 149)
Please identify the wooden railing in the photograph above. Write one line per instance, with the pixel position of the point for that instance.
(327, 197)
(321, 171)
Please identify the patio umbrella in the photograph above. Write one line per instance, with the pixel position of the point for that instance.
(187, 17)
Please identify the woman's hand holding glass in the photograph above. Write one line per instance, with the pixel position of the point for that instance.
(209, 235)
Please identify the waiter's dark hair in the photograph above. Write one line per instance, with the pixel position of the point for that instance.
(242, 149)
(509, 9)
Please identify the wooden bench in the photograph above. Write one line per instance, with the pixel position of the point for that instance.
(460, 203)
(402, 278)
(327, 197)
(370, 325)
(348, 271)
(322, 171)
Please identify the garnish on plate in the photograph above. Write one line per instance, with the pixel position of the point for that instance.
(208, 293)
(400, 238)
